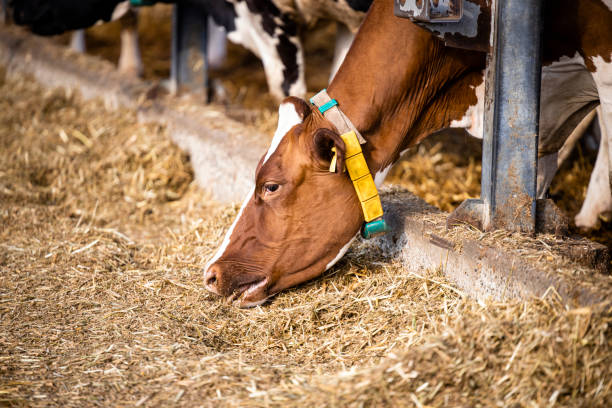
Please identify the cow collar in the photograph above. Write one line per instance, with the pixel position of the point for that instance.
(358, 169)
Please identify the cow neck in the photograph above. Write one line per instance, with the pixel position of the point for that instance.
(391, 79)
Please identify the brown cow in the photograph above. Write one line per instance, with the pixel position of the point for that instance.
(398, 84)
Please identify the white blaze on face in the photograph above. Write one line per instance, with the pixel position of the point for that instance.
(228, 235)
(287, 118)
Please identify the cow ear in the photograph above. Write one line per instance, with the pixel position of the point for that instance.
(326, 139)
(301, 107)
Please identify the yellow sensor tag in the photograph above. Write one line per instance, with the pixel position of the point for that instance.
(360, 176)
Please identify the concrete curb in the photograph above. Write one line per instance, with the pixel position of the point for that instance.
(224, 154)
(420, 240)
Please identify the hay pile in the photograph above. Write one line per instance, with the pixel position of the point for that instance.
(102, 239)
(444, 170)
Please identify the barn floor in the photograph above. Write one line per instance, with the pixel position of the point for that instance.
(103, 235)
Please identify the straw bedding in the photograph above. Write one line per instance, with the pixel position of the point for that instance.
(103, 235)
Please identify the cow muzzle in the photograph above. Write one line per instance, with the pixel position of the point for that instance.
(242, 290)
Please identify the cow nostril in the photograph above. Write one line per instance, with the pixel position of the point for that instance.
(210, 278)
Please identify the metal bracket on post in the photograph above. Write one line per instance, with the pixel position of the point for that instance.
(430, 11)
(189, 67)
(453, 21)
(512, 102)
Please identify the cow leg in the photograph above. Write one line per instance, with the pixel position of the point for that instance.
(603, 80)
(129, 60)
(277, 45)
(584, 129)
(344, 39)
(568, 94)
(598, 197)
(77, 41)
(599, 192)
(547, 168)
(550, 163)
(567, 100)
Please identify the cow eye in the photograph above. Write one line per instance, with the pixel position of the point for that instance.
(270, 188)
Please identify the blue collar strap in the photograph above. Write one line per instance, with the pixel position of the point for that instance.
(331, 110)
(328, 106)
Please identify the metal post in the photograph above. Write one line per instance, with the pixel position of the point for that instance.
(512, 101)
(4, 14)
(189, 67)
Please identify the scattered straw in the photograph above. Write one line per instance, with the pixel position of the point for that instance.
(102, 300)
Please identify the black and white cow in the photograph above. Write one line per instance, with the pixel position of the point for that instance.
(268, 28)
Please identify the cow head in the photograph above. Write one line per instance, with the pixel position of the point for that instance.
(298, 220)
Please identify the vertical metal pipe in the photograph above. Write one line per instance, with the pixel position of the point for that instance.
(189, 66)
(512, 107)
(4, 14)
